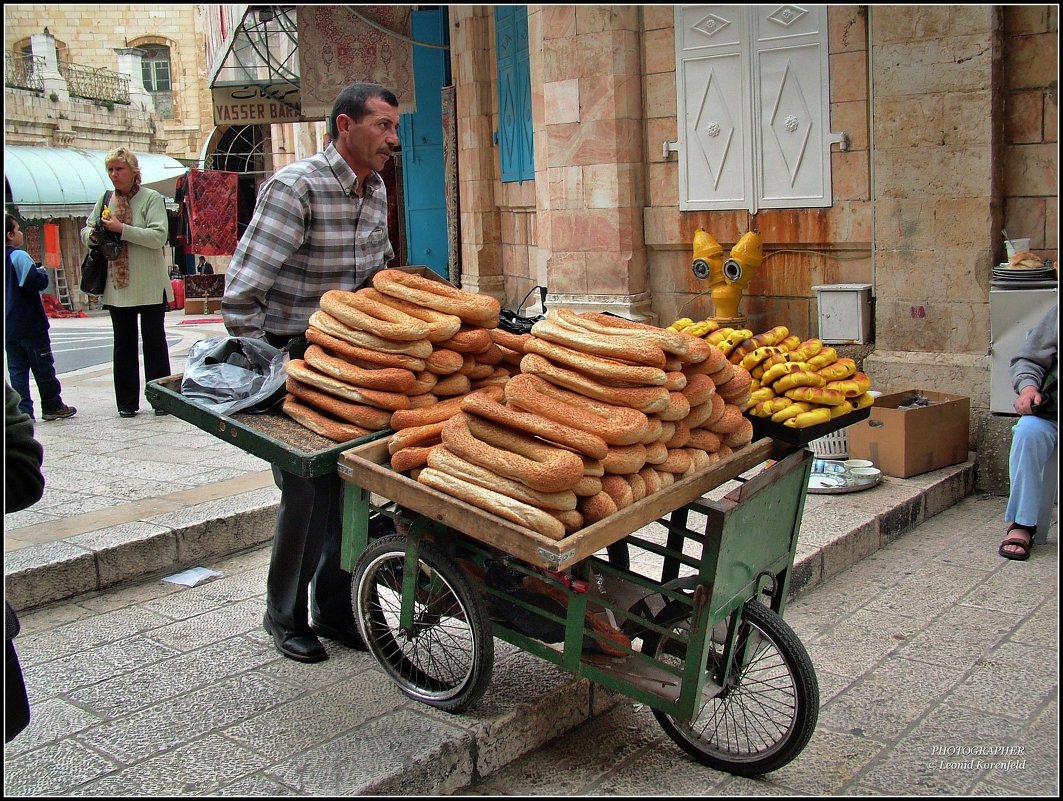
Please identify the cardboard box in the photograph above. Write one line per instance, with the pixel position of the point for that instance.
(202, 305)
(907, 442)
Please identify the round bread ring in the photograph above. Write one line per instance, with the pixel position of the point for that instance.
(681, 436)
(681, 345)
(507, 339)
(638, 486)
(702, 438)
(355, 310)
(535, 424)
(678, 407)
(597, 366)
(678, 461)
(419, 348)
(441, 326)
(597, 507)
(655, 430)
(445, 461)
(320, 423)
(479, 371)
(647, 400)
(415, 436)
(442, 297)
(730, 421)
(368, 417)
(470, 339)
(677, 380)
(444, 362)
(736, 387)
(492, 356)
(588, 486)
(740, 437)
(443, 410)
(523, 514)
(410, 458)
(541, 466)
(571, 520)
(620, 346)
(617, 488)
(624, 459)
(301, 371)
(617, 425)
(699, 389)
(362, 357)
(707, 417)
(593, 467)
(667, 431)
(699, 460)
(451, 385)
(510, 357)
(423, 382)
(390, 379)
(650, 479)
(656, 452)
(423, 400)
(667, 479)
(723, 375)
(499, 377)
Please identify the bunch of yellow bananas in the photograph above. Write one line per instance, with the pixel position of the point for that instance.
(799, 383)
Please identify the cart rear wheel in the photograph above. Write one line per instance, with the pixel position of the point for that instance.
(446, 659)
(765, 715)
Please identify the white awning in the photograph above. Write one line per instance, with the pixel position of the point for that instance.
(47, 182)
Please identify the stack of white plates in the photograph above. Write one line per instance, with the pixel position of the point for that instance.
(1038, 277)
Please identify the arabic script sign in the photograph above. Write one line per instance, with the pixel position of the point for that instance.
(254, 104)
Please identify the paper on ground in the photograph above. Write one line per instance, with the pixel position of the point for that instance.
(193, 576)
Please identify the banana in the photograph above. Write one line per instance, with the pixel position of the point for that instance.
(811, 418)
(794, 409)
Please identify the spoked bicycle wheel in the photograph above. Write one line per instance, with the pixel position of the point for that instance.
(445, 658)
(764, 716)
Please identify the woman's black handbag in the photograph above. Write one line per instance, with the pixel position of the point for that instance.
(94, 272)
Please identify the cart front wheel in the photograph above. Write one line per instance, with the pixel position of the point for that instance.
(764, 716)
(445, 658)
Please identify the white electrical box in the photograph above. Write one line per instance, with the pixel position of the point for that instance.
(844, 313)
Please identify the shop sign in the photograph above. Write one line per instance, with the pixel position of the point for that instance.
(254, 104)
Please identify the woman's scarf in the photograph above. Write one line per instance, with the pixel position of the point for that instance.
(124, 212)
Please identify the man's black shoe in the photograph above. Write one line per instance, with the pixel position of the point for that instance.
(347, 634)
(300, 647)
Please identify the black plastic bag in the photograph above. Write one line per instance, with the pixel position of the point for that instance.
(235, 374)
(94, 272)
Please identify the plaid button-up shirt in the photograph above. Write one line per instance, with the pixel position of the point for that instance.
(310, 233)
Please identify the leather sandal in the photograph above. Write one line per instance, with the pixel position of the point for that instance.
(1018, 541)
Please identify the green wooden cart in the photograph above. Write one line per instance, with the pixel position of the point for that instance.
(675, 601)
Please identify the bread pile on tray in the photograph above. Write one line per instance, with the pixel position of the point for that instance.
(401, 344)
(603, 412)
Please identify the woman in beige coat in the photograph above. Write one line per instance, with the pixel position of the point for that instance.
(138, 281)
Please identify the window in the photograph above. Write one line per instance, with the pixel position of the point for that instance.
(754, 107)
(155, 67)
(514, 137)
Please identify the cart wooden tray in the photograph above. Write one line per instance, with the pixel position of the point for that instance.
(272, 436)
(367, 466)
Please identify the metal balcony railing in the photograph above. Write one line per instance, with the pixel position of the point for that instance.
(22, 71)
(94, 83)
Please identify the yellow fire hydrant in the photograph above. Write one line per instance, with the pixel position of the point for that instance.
(727, 279)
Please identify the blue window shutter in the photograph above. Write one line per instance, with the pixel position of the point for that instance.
(514, 93)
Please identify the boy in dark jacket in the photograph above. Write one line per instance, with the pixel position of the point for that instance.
(29, 348)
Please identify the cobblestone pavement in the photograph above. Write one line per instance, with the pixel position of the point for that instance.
(938, 670)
